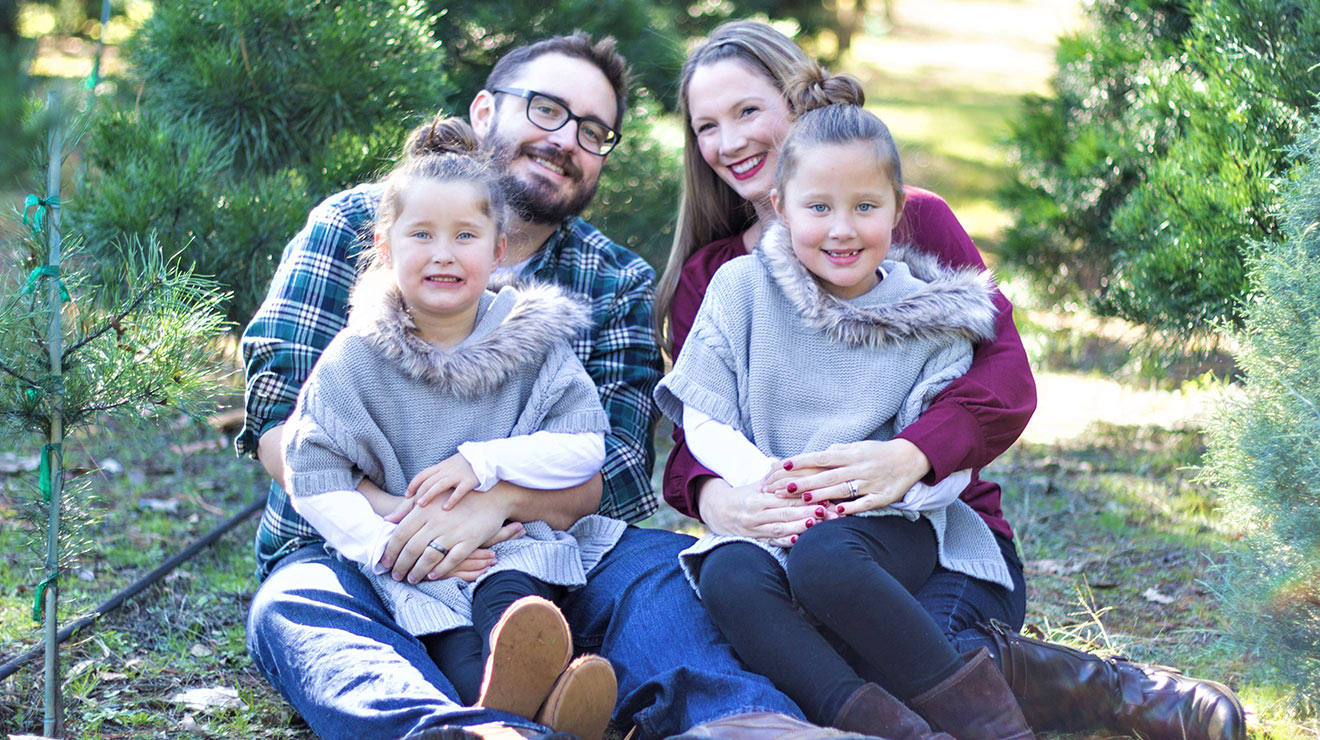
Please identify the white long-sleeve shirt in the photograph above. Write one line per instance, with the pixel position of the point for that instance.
(542, 460)
(726, 451)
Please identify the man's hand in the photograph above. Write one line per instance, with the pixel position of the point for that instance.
(460, 531)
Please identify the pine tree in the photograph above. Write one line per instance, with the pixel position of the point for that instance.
(1146, 177)
(1265, 448)
(82, 338)
(251, 111)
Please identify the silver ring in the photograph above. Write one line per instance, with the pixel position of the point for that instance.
(852, 488)
(440, 548)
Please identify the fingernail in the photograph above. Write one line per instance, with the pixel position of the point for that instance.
(811, 522)
(788, 465)
(820, 511)
(807, 497)
(793, 539)
(840, 509)
(792, 487)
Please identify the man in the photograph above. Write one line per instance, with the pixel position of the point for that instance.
(549, 115)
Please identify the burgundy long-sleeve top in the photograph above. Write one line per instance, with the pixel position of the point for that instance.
(974, 420)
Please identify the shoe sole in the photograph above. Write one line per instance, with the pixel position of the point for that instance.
(529, 647)
(581, 702)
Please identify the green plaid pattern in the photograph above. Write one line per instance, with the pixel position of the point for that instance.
(307, 305)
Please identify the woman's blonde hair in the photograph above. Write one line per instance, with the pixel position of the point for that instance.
(710, 209)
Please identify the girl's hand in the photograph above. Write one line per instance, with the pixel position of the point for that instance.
(452, 474)
(882, 472)
(747, 511)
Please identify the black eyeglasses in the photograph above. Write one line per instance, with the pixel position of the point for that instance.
(549, 113)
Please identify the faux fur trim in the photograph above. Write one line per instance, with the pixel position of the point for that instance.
(541, 316)
(953, 301)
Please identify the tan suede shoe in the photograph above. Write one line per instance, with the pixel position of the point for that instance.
(582, 700)
(529, 647)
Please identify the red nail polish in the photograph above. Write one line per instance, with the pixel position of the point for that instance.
(811, 522)
(806, 496)
(820, 511)
(840, 508)
(788, 465)
(792, 488)
(793, 539)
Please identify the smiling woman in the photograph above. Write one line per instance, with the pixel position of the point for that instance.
(728, 94)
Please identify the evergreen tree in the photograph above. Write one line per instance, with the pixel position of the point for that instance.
(1147, 176)
(82, 338)
(250, 112)
(1263, 448)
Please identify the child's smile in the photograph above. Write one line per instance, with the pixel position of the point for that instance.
(840, 208)
(442, 248)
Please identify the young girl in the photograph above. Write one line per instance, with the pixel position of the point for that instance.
(826, 335)
(435, 367)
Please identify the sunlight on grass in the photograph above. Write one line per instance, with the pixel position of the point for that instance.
(947, 80)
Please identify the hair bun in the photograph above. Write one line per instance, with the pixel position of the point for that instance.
(814, 88)
(442, 135)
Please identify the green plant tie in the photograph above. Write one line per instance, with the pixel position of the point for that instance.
(37, 606)
(95, 76)
(48, 453)
(45, 271)
(38, 207)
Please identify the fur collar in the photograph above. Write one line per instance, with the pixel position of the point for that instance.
(953, 302)
(516, 328)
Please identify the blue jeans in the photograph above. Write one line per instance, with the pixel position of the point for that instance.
(321, 637)
(959, 602)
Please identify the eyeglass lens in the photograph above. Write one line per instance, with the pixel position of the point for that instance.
(551, 115)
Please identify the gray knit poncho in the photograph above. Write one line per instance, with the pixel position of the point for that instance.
(384, 404)
(796, 369)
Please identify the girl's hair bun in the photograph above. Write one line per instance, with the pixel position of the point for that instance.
(442, 135)
(814, 88)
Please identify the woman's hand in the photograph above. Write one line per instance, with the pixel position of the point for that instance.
(460, 531)
(747, 511)
(882, 472)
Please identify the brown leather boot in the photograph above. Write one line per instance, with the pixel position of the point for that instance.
(1066, 690)
(974, 704)
(872, 709)
(766, 726)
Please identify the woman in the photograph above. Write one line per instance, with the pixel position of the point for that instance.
(731, 95)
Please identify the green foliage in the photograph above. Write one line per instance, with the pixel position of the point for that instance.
(279, 79)
(1146, 176)
(251, 111)
(135, 337)
(476, 33)
(1263, 449)
(17, 127)
(180, 184)
(639, 186)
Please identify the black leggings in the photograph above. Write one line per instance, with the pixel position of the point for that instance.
(461, 653)
(855, 576)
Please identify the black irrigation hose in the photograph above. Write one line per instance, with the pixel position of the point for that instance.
(116, 601)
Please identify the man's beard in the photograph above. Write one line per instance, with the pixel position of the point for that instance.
(535, 200)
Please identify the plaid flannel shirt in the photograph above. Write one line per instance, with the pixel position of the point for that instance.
(307, 305)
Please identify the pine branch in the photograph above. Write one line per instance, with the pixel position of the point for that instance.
(114, 322)
(25, 380)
